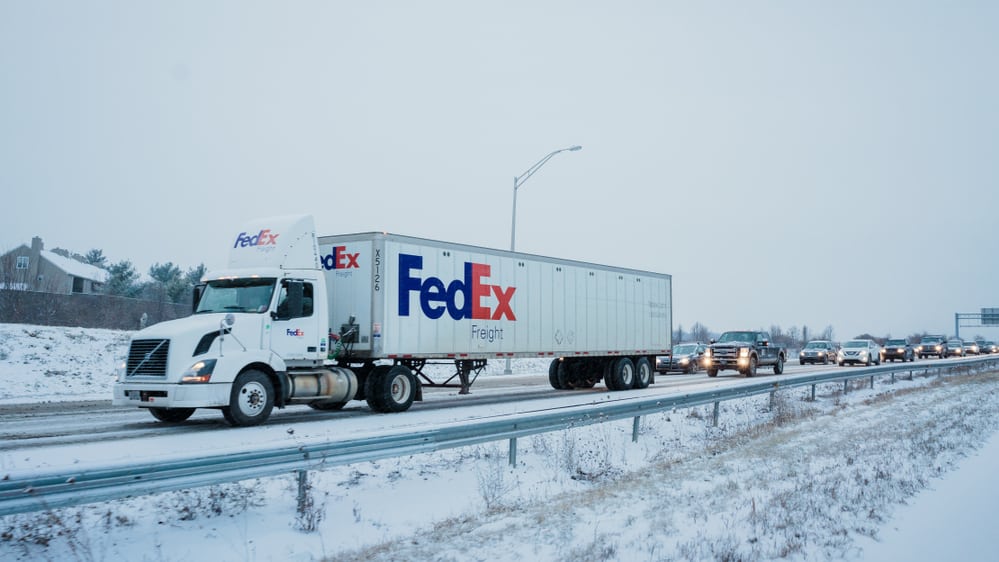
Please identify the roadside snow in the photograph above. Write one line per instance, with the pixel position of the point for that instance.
(846, 477)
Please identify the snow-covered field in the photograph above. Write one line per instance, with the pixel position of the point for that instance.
(854, 476)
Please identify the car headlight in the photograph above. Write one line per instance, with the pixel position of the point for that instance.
(707, 353)
(199, 372)
(684, 361)
(743, 352)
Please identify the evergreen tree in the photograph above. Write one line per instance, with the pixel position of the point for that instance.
(194, 274)
(96, 257)
(122, 280)
(170, 283)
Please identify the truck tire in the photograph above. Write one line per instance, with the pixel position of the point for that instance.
(621, 375)
(390, 389)
(712, 372)
(779, 366)
(643, 373)
(251, 399)
(171, 415)
(553, 374)
(750, 371)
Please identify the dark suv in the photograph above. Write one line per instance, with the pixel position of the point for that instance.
(935, 346)
(898, 349)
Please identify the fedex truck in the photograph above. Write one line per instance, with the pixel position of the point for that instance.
(322, 321)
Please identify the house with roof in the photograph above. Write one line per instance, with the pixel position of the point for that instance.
(49, 271)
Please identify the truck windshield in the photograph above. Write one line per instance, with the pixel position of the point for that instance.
(237, 295)
(738, 336)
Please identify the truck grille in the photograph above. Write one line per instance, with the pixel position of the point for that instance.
(725, 352)
(148, 358)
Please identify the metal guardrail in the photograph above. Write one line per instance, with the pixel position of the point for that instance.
(64, 488)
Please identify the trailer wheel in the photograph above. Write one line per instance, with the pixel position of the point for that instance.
(643, 373)
(567, 375)
(390, 389)
(621, 375)
(553, 374)
(251, 399)
(171, 415)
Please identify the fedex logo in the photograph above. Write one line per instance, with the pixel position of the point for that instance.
(297, 332)
(436, 298)
(263, 238)
(339, 258)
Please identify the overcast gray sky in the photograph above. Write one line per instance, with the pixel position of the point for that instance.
(790, 163)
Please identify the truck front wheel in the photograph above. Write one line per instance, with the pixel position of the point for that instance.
(712, 372)
(390, 389)
(751, 369)
(171, 415)
(251, 399)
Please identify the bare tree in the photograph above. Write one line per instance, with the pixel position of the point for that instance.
(699, 332)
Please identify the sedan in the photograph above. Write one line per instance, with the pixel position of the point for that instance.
(971, 348)
(859, 351)
(817, 351)
(686, 358)
(955, 348)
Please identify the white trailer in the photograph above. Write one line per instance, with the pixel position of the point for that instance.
(323, 321)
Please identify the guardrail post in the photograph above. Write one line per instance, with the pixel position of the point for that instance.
(813, 393)
(773, 398)
(846, 385)
(634, 429)
(303, 490)
(893, 377)
(513, 451)
(872, 382)
(714, 416)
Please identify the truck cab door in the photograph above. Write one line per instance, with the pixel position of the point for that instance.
(295, 329)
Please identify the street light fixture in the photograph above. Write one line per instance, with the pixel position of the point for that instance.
(517, 182)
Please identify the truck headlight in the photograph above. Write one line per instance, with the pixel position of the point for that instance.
(707, 353)
(119, 371)
(199, 372)
(743, 352)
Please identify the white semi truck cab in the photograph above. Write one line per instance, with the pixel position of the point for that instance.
(259, 337)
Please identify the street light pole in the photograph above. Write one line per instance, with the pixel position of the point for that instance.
(517, 182)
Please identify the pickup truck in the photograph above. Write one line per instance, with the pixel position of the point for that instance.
(744, 351)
